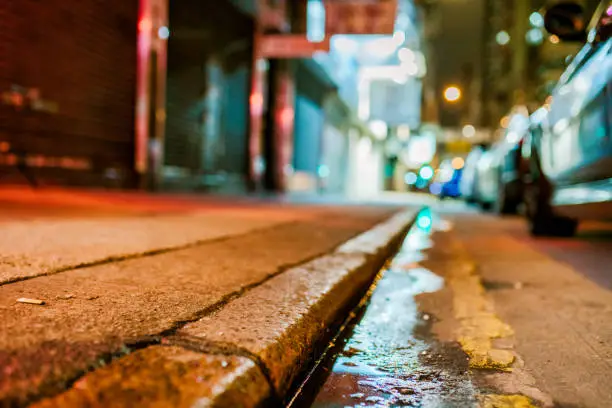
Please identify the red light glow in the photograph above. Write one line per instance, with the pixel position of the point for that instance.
(286, 116)
(144, 25)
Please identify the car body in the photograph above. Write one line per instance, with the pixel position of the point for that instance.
(486, 179)
(445, 183)
(570, 143)
(467, 185)
(508, 162)
(498, 180)
(451, 187)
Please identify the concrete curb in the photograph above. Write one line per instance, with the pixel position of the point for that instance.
(250, 352)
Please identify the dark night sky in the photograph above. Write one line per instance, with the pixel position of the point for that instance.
(460, 38)
(459, 42)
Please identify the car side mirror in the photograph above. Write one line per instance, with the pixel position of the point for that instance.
(566, 20)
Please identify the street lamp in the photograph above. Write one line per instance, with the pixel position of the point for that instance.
(452, 94)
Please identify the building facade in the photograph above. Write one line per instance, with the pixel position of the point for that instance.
(155, 94)
(68, 75)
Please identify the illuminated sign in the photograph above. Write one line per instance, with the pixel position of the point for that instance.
(360, 16)
(290, 46)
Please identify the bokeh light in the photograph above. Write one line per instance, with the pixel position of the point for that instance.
(424, 221)
(536, 20)
(163, 32)
(458, 163)
(426, 172)
(410, 178)
(534, 36)
(468, 131)
(435, 188)
(452, 93)
(502, 38)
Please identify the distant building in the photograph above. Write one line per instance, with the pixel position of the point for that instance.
(496, 51)
(521, 62)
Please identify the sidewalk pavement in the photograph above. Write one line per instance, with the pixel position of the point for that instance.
(53, 230)
(234, 294)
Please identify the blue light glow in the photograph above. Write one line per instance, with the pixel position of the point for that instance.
(163, 32)
(410, 178)
(323, 171)
(435, 188)
(424, 221)
(426, 173)
(536, 20)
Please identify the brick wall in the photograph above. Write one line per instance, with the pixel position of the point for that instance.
(81, 56)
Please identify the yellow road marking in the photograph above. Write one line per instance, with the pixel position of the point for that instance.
(505, 401)
(478, 323)
(486, 339)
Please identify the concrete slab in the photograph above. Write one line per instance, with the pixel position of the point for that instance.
(45, 231)
(160, 376)
(91, 313)
(281, 321)
(31, 248)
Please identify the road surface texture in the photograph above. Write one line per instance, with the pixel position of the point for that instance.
(198, 301)
(473, 312)
(556, 295)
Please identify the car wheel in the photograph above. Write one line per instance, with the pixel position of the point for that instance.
(553, 226)
(542, 220)
(485, 206)
(504, 204)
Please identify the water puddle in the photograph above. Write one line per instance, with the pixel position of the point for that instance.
(383, 361)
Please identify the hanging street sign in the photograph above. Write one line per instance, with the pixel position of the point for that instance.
(290, 46)
(360, 16)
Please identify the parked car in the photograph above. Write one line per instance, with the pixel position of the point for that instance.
(486, 179)
(570, 143)
(467, 185)
(450, 188)
(498, 180)
(510, 179)
(445, 183)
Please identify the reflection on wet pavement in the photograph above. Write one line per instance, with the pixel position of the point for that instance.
(389, 359)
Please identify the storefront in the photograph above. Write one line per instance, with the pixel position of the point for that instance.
(208, 88)
(313, 86)
(67, 91)
(365, 163)
(333, 167)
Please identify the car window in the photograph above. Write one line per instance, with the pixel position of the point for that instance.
(602, 21)
(579, 61)
(601, 24)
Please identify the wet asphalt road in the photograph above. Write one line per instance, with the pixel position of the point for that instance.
(552, 297)
(404, 349)
(390, 358)
(588, 253)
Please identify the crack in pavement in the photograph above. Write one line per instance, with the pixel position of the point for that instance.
(224, 349)
(145, 254)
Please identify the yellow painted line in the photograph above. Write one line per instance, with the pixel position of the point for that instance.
(478, 324)
(480, 332)
(505, 401)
